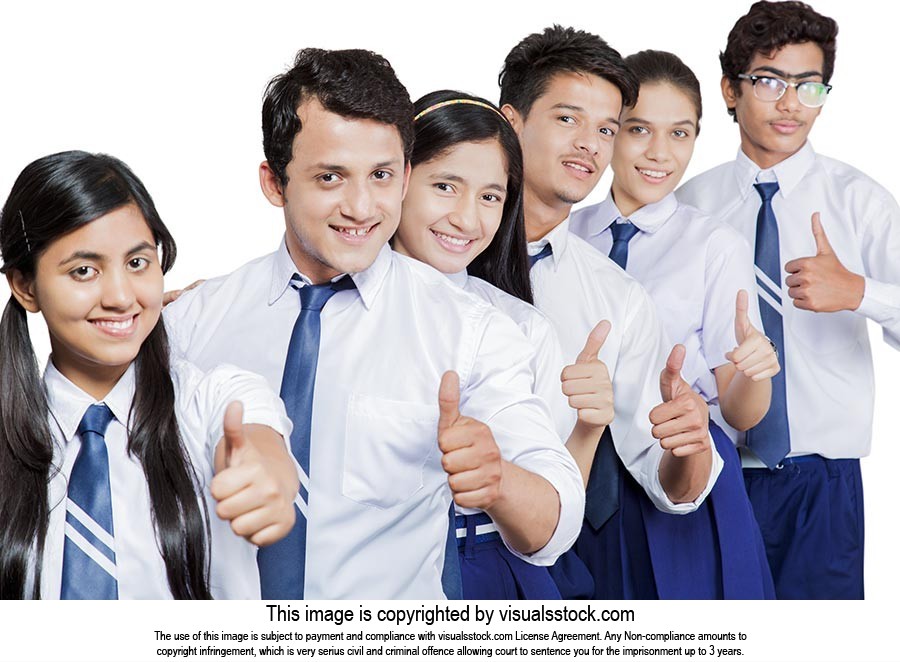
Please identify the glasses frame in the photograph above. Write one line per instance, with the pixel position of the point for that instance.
(753, 78)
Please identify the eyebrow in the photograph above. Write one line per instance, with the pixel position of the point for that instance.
(638, 120)
(334, 167)
(90, 255)
(450, 177)
(784, 74)
(579, 109)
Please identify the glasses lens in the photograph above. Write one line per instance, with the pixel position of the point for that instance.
(812, 95)
(769, 89)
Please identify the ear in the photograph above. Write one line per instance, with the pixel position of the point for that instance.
(515, 119)
(406, 171)
(22, 289)
(728, 93)
(270, 184)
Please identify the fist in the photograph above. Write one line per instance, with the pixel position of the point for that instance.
(471, 457)
(681, 422)
(587, 384)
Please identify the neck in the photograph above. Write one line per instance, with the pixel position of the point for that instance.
(313, 268)
(624, 203)
(764, 158)
(540, 216)
(97, 382)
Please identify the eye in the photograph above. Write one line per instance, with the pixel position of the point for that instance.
(566, 119)
(680, 133)
(639, 130)
(83, 273)
(138, 263)
(328, 178)
(381, 175)
(444, 187)
(491, 197)
(607, 131)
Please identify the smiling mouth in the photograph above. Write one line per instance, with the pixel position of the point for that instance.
(119, 327)
(457, 244)
(579, 167)
(354, 233)
(657, 175)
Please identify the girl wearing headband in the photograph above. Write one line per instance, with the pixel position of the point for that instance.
(463, 215)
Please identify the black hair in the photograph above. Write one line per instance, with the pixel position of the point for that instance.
(662, 67)
(357, 84)
(504, 263)
(769, 26)
(53, 196)
(536, 59)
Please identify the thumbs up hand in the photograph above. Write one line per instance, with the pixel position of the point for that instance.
(681, 422)
(587, 383)
(821, 283)
(754, 356)
(471, 457)
(254, 488)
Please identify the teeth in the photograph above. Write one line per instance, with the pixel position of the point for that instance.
(452, 240)
(111, 324)
(355, 232)
(576, 166)
(658, 174)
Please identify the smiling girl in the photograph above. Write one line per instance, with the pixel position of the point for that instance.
(698, 273)
(106, 466)
(463, 215)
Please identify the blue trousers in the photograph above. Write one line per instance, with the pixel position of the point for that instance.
(810, 512)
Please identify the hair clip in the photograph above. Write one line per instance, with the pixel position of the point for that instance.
(22, 220)
(452, 102)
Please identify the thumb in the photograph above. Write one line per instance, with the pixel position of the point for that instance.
(823, 247)
(670, 377)
(448, 400)
(742, 324)
(594, 343)
(233, 431)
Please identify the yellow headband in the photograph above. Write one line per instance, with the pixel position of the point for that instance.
(455, 101)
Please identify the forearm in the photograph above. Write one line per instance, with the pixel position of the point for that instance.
(582, 445)
(527, 511)
(685, 478)
(745, 402)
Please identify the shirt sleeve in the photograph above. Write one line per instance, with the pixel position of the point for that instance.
(498, 392)
(880, 244)
(642, 356)
(548, 364)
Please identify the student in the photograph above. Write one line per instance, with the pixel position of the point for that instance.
(826, 239)
(563, 90)
(698, 273)
(463, 210)
(393, 390)
(107, 467)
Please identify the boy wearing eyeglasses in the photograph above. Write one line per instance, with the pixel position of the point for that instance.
(826, 240)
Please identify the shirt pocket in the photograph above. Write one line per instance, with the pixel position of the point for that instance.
(826, 333)
(389, 443)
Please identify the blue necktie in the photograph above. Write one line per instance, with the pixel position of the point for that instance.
(622, 233)
(89, 552)
(770, 440)
(602, 492)
(545, 252)
(282, 566)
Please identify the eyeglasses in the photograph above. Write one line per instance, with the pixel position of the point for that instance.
(767, 88)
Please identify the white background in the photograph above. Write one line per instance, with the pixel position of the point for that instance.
(175, 91)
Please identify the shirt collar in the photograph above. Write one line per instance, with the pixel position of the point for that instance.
(788, 173)
(460, 278)
(368, 282)
(558, 238)
(648, 218)
(68, 403)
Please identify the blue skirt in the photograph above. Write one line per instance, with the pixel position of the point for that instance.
(491, 572)
(715, 552)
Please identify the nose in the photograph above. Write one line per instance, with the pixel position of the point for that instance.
(464, 216)
(357, 203)
(588, 140)
(118, 293)
(789, 101)
(658, 147)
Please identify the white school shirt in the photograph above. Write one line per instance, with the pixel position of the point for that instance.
(379, 498)
(692, 266)
(200, 402)
(548, 354)
(828, 360)
(577, 287)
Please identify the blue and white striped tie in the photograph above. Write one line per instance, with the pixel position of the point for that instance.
(770, 439)
(89, 552)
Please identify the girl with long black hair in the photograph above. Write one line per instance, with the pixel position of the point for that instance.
(463, 216)
(107, 463)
